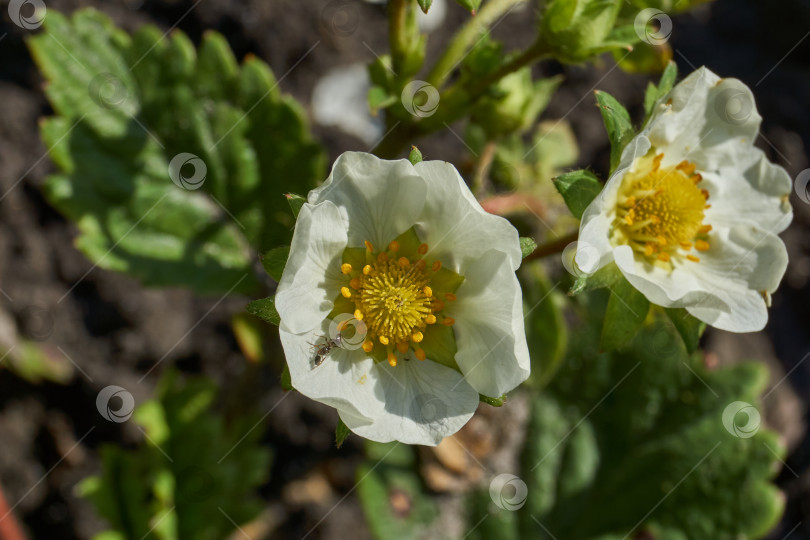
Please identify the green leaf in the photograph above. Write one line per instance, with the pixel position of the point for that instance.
(495, 402)
(655, 93)
(265, 309)
(379, 98)
(191, 465)
(296, 202)
(546, 330)
(425, 5)
(579, 189)
(394, 502)
(415, 156)
(632, 444)
(626, 311)
(470, 5)
(618, 125)
(275, 260)
(341, 433)
(126, 107)
(688, 327)
(286, 380)
(527, 246)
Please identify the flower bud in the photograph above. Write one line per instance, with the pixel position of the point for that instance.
(575, 30)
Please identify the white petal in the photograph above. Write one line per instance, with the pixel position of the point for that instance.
(706, 119)
(312, 278)
(491, 340)
(751, 189)
(346, 379)
(424, 402)
(597, 220)
(453, 224)
(378, 199)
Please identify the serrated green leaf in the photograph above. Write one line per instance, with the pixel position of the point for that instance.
(341, 433)
(626, 311)
(265, 309)
(618, 125)
(275, 260)
(527, 246)
(126, 106)
(578, 189)
(688, 327)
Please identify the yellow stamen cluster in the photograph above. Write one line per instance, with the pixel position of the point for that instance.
(393, 297)
(660, 211)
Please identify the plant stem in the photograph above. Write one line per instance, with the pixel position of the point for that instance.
(550, 248)
(482, 169)
(466, 38)
(397, 14)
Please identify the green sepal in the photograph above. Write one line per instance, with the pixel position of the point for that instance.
(606, 276)
(415, 156)
(275, 260)
(296, 202)
(470, 5)
(618, 125)
(265, 309)
(342, 431)
(424, 5)
(527, 246)
(688, 327)
(626, 310)
(286, 380)
(495, 402)
(578, 189)
(664, 87)
(379, 98)
(439, 344)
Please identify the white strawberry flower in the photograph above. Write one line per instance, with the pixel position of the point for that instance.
(400, 266)
(692, 212)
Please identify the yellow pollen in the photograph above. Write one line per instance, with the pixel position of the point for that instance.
(705, 229)
(345, 292)
(423, 248)
(404, 262)
(702, 245)
(346, 268)
(369, 246)
(402, 347)
(368, 346)
(430, 319)
(358, 314)
(417, 337)
(667, 210)
(420, 354)
(392, 359)
(366, 269)
(395, 301)
(393, 246)
(437, 265)
(693, 258)
(355, 283)
(450, 296)
(449, 321)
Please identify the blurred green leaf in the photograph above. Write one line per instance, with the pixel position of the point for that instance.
(275, 260)
(626, 311)
(192, 468)
(688, 327)
(341, 432)
(579, 189)
(172, 161)
(618, 125)
(546, 330)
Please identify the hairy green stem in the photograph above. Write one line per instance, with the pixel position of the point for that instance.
(397, 16)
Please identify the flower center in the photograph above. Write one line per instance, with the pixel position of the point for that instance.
(392, 294)
(660, 211)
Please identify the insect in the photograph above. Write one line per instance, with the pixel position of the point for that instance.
(322, 350)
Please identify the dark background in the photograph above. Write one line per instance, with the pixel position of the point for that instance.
(115, 330)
